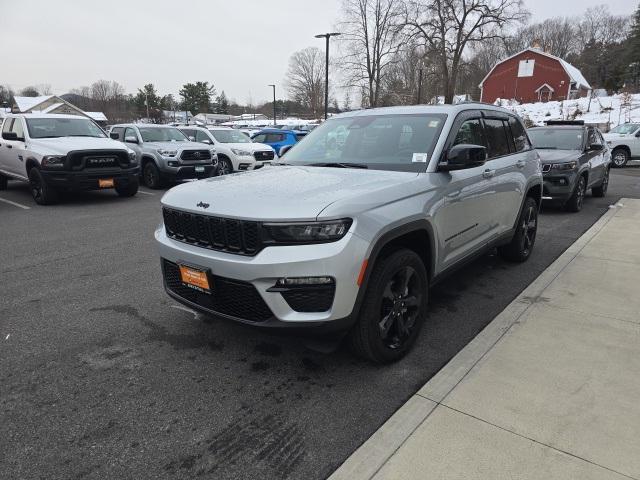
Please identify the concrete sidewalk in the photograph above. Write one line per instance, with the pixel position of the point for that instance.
(550, 389)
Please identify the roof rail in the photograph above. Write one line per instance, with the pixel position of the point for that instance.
(564, 122)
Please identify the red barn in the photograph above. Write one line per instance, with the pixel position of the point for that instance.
(533, 76)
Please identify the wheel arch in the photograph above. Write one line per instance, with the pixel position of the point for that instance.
(31, 163)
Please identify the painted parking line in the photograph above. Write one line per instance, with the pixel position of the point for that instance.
(145, 193)
(15, 204)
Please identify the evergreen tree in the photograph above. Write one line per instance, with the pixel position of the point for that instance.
(196, 97)
(148, 100)
(222, 104)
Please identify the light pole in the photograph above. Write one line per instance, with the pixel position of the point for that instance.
(419, 85)
(274, 103)
(327, 36)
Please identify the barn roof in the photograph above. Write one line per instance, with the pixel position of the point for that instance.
(574, 74)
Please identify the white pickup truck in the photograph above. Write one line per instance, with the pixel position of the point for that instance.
(624, 142)
(56, 153)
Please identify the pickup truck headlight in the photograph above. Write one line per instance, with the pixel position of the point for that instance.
(564, 166)
(241, 153)
(167, 153)
(53, 161)
(312, 232)
(132, 158)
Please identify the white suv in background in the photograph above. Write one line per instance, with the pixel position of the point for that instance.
(236, 151)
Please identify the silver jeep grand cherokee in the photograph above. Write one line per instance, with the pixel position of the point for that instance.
(349, 235)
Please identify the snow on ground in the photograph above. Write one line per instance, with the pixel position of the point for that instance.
(603, 111)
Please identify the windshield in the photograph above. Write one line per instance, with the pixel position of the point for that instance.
(230, 136)
(161, 134)
(63, 127)
(383, 142)
(556, 138)
(625, 129)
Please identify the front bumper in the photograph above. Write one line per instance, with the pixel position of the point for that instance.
(188, 172)
(558, 187)
(340, 260)
(88, 179)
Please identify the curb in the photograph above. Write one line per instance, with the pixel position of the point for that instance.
(369, 458)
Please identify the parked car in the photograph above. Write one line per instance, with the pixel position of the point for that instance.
(624, 142)
(165, 154)
(575, 158)
(350, 239)
(236, 152)
(277, 138)
(56, 153)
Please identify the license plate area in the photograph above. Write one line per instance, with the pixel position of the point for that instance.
(199, 169)
(106, 183)
(195, 278)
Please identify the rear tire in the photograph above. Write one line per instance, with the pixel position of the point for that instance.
(393, 309)
(128, 190)
(521, 245)
(151, 176)
(575, 203)
(4, 181)
(42, 193)
(619, 158)
(601, 190)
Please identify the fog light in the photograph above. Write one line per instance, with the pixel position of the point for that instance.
(563, 181)
(304, 281)
(173, 164)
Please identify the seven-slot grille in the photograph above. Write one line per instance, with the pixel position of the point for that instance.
(234, 298)
(193, 155)
(216, 233)
(263, 156)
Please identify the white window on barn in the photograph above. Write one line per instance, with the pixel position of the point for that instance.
(525, 69)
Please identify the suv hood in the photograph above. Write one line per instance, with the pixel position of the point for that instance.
(250, 147)
(285, 192)
(63, 145)
(178, 145)
(558, 156)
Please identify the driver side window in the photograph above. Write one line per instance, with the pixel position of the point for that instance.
(470, 133)
(202, 137)
(129, 132)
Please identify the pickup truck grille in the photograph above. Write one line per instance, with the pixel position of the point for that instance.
(192, 155)
(96, 159)
(263, 156)
(215, 233)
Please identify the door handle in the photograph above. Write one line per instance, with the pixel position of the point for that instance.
(9, 146)
(521, 163)
(488, 173)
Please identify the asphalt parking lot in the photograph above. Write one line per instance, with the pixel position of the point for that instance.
(103, 376)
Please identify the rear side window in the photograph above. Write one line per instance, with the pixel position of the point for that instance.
(18, 128)
(274, 137)
(260, 138)
(470, 133)
(189, 133)
(7, 125)
(519, 135)
(118, 131)
(496, 137)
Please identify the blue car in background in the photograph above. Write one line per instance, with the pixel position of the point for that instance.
(277, 138)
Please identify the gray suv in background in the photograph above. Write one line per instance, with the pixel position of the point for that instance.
(349, 236)
(165, 154)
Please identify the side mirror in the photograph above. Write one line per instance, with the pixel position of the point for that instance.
(464, 156)
(207, 141)
(191, 138)
(114, 136)
(638, 134)
(11, 136)
(131, 139)
(596, 146)
(284, 150)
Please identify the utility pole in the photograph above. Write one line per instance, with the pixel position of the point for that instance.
(326, 36)
(419, 86)
(146, 102)
(274, 103)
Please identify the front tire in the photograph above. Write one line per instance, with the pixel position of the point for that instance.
(42, 193)
(601, 190)
(225, 167)
(575, 203)
(128, 190)
(393, 309)
(521, 245)
(151, 176)
(619, 158)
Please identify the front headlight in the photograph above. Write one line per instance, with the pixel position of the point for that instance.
(241, 153)
(167, 153)
(132, 158)
(313, 232)
(53, 161)
(564, 166)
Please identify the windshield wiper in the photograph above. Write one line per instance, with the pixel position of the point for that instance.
(339, 165)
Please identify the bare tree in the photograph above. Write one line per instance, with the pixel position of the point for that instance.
(448, 27)
(600, 26)
(305, 79)
(558, 36)
(370, 41)
(30, 91)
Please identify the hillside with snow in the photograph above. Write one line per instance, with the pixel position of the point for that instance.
(606, 112)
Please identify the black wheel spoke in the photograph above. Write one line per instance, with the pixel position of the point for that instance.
(385, 324)
(412, 301)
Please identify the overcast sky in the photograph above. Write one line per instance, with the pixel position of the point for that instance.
(240, 46)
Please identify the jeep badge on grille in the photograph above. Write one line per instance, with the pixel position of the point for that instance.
(203, 205)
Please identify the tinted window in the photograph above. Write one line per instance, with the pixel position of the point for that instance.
(260, 138)
(129, 132)
(162, 134)
(7, 125)
(470, 133)
(496, 137)
(274, 137)
(550, 138)
(519, 135)
(202, 137)
(118, 131)
(594, 138)
(189, 133)
(17, 128)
